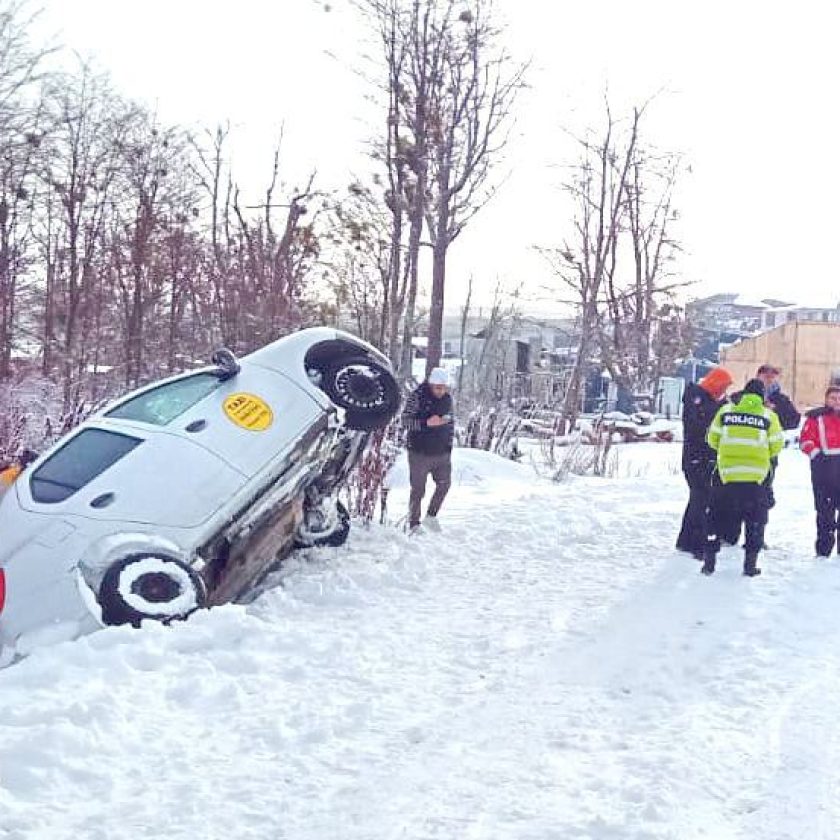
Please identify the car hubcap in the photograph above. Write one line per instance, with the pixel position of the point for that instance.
(156, 587)
(360, 387)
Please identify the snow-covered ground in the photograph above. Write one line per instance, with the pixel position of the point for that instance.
(547, 668)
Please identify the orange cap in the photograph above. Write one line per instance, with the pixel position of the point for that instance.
(716, 381)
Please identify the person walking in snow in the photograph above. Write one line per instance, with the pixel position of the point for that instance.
(747, 436)
(701, 403)
(820, 441)
(428, 416)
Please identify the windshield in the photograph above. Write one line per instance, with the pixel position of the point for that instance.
(161, 405)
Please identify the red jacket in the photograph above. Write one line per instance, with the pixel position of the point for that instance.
(821, 434)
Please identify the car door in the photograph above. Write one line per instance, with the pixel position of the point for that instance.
(247, 420)
(120, 471)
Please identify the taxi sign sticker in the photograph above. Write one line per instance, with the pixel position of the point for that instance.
(249, 412)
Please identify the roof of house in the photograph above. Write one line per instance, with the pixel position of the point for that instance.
(742, 301)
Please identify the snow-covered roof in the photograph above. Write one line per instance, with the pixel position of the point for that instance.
(752, 303)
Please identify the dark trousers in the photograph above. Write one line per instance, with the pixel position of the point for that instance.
(420, 467)
(729, 529)
(737, 504)
(692, 535)
(827, 503)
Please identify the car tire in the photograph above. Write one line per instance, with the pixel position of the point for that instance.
(367, 391)
(150, 587)
(333, 533)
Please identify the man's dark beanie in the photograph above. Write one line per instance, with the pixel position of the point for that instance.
(755, 386)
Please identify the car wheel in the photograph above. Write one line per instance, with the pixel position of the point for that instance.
(149, 586)
(366, 391)
(326, 524)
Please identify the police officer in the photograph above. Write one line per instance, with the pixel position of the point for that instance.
(746, 435)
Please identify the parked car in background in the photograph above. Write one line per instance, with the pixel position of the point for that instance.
(187, 492)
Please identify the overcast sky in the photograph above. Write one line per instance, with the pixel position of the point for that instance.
(749, 97)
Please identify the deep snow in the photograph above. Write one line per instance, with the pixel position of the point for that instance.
(546, 668)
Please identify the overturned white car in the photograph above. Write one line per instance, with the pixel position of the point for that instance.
(186, 493)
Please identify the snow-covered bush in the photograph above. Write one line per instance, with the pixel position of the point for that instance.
(31, 415)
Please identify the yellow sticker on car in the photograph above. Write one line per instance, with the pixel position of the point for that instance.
(249, 412)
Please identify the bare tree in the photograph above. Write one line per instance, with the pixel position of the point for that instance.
(84, 148)
(391, 22)
(450, 89)
(618, 264)
(413, 35)
(259, 260)
(637, 301)
(472, 111)
(462, 349)
(273, 258)
(21, 118)
(359, 262)
(587, 261)
(213, 177)
(152, 197)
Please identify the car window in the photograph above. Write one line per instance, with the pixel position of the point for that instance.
(161, 405)
(78, 462)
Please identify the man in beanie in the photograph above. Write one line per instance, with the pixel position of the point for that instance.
(428, 417)
(780, 402)
(788, 416)
(746, 436)
(701, 403)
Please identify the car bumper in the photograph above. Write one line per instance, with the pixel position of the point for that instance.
(59, 611)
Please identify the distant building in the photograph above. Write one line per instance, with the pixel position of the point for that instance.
(775, 316)
(731, 312)
(807, 352)
(521, 343)
(722, 320)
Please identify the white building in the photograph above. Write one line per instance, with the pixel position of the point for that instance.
(775, 316)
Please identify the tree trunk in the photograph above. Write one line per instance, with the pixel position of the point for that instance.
(435, 346)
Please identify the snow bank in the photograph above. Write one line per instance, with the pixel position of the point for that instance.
(546, 668)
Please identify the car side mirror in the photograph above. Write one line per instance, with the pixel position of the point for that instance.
(226, 364)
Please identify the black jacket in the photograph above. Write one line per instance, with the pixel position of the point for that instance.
(699, 409)
(782, 404)
(419, 407)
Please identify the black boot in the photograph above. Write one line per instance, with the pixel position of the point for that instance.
(709, 563)
(750, 560)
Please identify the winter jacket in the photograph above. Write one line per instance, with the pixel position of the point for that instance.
(419, 407)
(699, 409)
(782, 404)
(746, 437)
(820, 441)
(8, 476)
